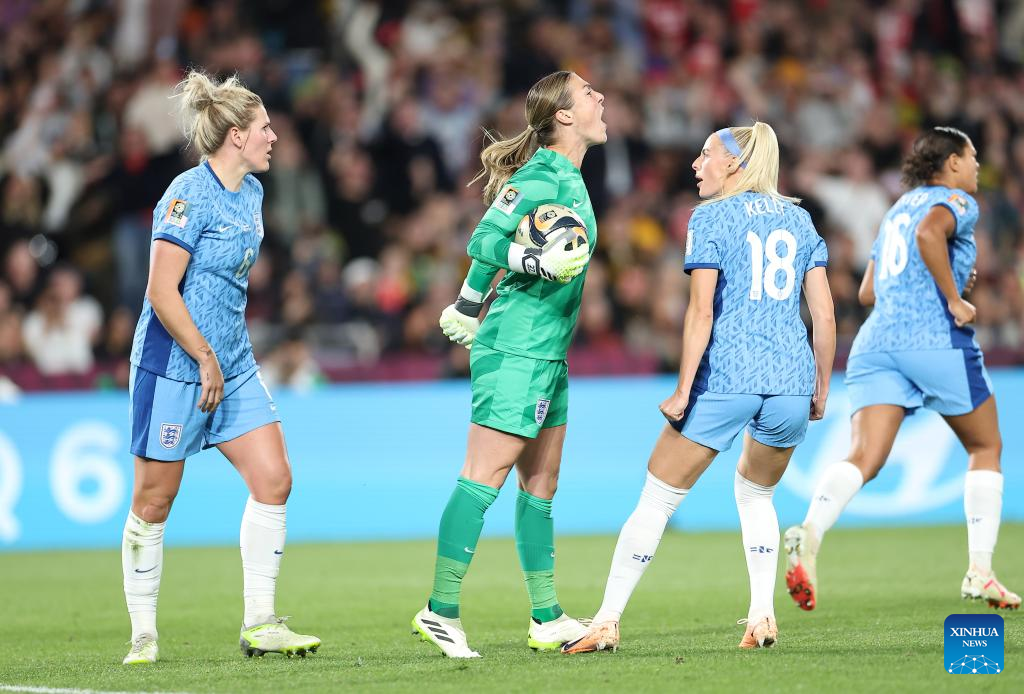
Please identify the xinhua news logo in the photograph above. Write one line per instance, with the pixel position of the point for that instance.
(973, 644)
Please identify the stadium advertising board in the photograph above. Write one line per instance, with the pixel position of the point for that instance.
(377, 461)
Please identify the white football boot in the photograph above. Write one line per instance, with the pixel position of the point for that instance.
(447, 634)
(275, 637)
(551, 636)
(977, 586)
(143, 651)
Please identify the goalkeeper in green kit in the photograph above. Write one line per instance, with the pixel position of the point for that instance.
(519, 372)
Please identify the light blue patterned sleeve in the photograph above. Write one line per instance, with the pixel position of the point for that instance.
(964, 208)
(702, 249)
(177, 217)
(819, 255)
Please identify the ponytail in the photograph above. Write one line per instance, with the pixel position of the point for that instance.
(502, 158)
(759, 157)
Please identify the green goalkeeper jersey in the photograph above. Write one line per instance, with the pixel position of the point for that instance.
(531, 316)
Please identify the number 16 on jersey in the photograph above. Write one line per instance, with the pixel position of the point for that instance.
(894, 246)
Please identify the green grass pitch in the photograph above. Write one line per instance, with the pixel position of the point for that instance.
(884, 596)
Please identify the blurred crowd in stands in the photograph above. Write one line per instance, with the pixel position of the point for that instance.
(380, 106)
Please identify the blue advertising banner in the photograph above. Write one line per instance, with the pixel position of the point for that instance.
(379, 461)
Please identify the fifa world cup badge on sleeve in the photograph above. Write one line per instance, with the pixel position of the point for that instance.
(177, 213)
(507, 199)
(959, 202)
(973, 644)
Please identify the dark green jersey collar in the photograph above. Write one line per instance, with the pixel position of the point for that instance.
(559, 162)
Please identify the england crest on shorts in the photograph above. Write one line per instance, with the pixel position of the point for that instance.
(170, 435)
(542, 411)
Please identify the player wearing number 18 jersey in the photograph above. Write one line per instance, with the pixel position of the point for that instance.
(917, 349)
(746, 363)
(761, 246)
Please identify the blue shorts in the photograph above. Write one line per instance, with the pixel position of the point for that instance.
(949, 381)
(714, 419)
(167, 424)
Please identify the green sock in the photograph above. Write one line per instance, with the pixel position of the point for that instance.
(535, 541)
(461, 523)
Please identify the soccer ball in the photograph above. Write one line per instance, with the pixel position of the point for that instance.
(549, 224)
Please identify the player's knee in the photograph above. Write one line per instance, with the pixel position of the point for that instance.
(868, 468)
(542, 486)
(995, 450)
(986, 452)
(547, 488)
(153, 506)
(278, 488)
(484, 471)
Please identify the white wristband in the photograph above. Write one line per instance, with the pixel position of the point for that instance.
(516, 253)
(468, 292)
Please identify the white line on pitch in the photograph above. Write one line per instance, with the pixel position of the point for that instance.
(53, 690)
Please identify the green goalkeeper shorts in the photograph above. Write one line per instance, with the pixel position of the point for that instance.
(517, 395)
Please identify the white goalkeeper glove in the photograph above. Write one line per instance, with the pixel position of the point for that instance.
(460, 321)
(554, 262)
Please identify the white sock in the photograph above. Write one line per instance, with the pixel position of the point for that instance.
(142, 558)
(637, 543)
(760, 529)
(983, 505)
(837, 486)
(262, 543)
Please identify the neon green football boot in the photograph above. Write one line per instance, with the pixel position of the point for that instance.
(275, 637)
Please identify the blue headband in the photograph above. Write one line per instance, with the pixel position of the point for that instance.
(731, 146)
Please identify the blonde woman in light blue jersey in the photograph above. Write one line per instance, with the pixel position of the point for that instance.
(194, 381)
(746, 365)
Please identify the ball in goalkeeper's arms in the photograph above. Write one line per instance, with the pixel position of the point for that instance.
(549, 224)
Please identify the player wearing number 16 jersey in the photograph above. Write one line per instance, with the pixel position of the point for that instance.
(746, 364)
(917, 349)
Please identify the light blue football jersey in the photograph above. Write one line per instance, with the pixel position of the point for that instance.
(762, 247)
(223, 231)
(910, 312)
